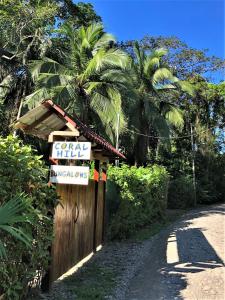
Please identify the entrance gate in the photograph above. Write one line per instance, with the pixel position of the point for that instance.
(74, 225)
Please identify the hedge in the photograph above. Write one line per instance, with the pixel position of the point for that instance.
(21, 171)
(140, 198)
(181, 192)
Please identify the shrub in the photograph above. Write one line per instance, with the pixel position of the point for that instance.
(211, 179)
(21, 171)
(181, 192)
(143, 198)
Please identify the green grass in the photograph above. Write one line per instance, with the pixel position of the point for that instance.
(92, 282)
(148, 231)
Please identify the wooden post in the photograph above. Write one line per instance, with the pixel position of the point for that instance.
(97, 166)
(104, 170)
(193, 165)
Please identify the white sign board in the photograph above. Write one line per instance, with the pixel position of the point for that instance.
(69, 174)
(71, 150)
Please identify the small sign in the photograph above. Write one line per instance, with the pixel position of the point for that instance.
(69, 174)
(71, 150)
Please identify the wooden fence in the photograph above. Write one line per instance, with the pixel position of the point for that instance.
(78, 225)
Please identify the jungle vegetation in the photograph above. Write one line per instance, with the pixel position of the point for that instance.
(155, 96)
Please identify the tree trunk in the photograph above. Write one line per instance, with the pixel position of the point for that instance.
(141, 145)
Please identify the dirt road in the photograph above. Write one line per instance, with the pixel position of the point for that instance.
(186, 261)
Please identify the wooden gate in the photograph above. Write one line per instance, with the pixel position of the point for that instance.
(78, 225)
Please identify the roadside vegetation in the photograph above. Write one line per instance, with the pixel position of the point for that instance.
(154, 97)
(26, 223)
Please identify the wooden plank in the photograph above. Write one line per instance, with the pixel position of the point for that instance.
(73, 227)
(100, 210)
(65, 133)
(97, 166)
(71, 127)
(103, 212)
(36, 122)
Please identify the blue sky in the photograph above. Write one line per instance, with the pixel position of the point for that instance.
(200, 23)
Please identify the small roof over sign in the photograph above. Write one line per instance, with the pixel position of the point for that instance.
(48, 117)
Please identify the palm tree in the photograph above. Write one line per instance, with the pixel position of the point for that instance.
(90, 81)
(11, 214)
(15, 82)
(151, 114)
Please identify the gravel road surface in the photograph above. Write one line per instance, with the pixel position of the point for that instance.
(185, 261)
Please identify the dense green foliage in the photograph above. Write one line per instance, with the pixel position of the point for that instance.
(143, 195)
(181, 192)
(23, 172)
(210, 179)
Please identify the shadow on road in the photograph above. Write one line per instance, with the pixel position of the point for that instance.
(176, 252)
(191, 251)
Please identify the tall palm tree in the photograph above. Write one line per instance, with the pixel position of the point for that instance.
(90, 81)
(151, 114)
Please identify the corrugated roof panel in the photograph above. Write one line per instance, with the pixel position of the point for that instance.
(55, 122)
(52, 122)
(33, 115)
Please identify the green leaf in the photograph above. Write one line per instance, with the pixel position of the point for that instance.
(161, 75)
(18, 234)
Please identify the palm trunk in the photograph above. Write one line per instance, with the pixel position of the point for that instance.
(85, 113)
(141, 146)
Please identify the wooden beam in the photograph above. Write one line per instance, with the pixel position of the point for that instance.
(62, 134)
(97, 167)
(71, 127)
(104, 170)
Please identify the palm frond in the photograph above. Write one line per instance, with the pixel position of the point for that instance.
(49, 80)
(113, 58)
(173, 114)
(36, 97)
(159, 52)
(66, 29)
(93, 66)
(186, 87)
(103, 42)
(116, 58)
(47, 66)
(116, 76)
(17, 233)
(140, 57)
(94, 32)
(68, 97)
(12, 213)
(157, 121)
(163, 76)
(151, 64)
(107, 104)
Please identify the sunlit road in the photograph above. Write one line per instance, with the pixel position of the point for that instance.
(187, 260)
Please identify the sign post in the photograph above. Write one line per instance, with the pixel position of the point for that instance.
(69, 174)
(71, 150)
